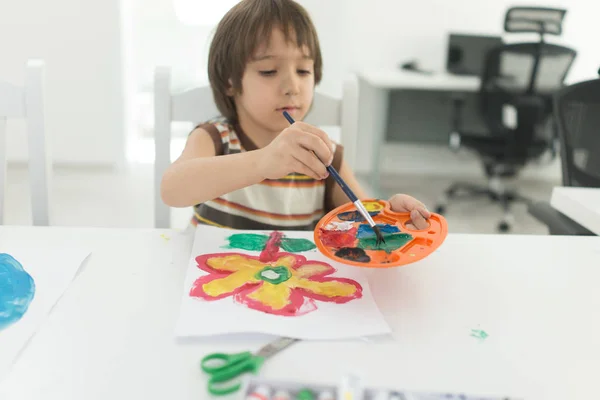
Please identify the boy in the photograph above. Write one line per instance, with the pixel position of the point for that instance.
(251, 169)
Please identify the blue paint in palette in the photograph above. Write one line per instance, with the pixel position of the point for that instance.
(355, 216)
(365, 230)
(17, 290)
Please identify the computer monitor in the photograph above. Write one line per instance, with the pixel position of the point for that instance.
(466, 53)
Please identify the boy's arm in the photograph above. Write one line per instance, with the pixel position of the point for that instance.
(199, 175)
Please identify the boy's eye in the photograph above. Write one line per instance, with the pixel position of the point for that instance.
(304, 72)
(267, 73)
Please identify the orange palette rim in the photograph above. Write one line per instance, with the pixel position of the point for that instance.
(344, 236)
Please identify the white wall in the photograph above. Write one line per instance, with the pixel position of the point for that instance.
(81, 45)
(159, 38)
(356, 35)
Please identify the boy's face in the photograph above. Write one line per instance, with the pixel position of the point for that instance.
(279, 77)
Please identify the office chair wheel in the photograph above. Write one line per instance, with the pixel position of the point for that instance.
(503, 227)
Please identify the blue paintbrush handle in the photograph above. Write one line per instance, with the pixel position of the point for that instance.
(342, 184)
(330, 169)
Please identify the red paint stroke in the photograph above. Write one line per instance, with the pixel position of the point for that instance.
(301, 301)
(298, 304)
(338, 239)
(271, 249)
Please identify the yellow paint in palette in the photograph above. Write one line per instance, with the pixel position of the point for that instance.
(372, 206)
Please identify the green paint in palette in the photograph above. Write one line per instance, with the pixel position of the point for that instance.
(392, 242)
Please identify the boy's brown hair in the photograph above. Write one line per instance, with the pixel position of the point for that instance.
(247, 25)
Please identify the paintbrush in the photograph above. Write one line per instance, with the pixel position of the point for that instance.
(357, 203)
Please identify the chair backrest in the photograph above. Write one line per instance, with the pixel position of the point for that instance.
(577, 110)
(524, 76)
(197, 105)
(27, 102)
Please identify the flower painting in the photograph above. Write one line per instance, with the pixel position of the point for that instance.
(276, 283)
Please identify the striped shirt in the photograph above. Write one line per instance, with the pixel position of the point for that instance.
(294, 202)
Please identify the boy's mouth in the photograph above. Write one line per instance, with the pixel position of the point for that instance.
(288, 109)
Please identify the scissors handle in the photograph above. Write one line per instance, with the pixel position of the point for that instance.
(217, 362)
(232, 370)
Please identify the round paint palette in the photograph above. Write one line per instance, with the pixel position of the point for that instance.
(343, 235)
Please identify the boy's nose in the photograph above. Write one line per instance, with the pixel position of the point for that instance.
(292, 85)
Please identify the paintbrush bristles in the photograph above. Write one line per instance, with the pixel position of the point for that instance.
(378, 235)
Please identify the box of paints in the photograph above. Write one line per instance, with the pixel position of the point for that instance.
(349, 388)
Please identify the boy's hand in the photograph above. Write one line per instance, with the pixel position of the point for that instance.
(418, 211)
(292, 151)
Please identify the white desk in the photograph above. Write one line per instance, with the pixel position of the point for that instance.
(111, 335)
(375, 87)
(582, 205)
(388, 78)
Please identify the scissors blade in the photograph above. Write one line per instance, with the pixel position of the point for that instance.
(275, 347)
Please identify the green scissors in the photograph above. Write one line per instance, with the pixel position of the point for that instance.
(230, 366)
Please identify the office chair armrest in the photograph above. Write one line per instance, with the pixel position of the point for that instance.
(558, 223)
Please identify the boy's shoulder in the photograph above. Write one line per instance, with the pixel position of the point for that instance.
(221, 124)
(223, 134)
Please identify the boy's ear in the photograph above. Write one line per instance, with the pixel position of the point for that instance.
(229, 90)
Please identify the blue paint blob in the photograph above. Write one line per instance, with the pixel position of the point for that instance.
(365, 230)
(17, 289)
(354, 216)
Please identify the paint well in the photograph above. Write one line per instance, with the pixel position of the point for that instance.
(338, 239)
(353, 254)
(354, 216)
(392, 242)
(365, 230)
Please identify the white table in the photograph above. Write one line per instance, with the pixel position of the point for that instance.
(375, 87)
(582, 205)
(111, 335)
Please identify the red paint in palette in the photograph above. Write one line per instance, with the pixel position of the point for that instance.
(338, 239)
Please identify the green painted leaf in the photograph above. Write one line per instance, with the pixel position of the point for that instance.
(297, 245)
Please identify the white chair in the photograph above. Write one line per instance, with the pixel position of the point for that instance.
(197, 105)
(27, 102)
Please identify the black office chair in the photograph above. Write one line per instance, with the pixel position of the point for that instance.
(577, 110)
(523, 76)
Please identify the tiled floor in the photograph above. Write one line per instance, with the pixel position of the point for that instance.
(94, 197)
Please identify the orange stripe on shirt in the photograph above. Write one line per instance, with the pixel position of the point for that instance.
(264, 213)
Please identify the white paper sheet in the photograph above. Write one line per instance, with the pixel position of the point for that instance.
(52, 270)
(317, 319)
